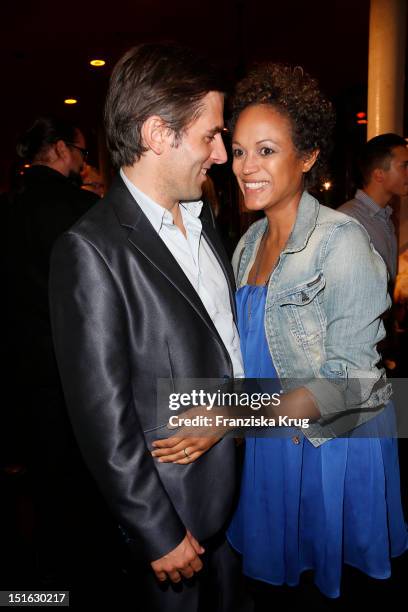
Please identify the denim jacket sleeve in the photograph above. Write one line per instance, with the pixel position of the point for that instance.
(355, 298)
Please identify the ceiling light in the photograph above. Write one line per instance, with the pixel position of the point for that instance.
(70, 101)
(97, 62)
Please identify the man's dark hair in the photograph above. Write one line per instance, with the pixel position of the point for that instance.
(377, 153)
(44, 132)
(154, 79)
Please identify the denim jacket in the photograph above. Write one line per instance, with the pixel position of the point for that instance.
(323, 312)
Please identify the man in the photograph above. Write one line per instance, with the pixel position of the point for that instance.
(383, 166)
(45, 203)
(142, 290)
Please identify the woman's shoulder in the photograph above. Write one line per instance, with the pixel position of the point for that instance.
(335, 217)
(336, 224)
(346, 240)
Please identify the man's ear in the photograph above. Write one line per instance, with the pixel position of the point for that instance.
(61, 149)
(310, 159)
(155, 134)
(378, 175)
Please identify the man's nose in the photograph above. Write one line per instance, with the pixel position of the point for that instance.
(219, 153)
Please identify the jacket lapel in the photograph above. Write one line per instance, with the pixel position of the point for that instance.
(144, 238)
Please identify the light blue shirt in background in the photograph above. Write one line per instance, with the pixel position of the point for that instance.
(378, 223)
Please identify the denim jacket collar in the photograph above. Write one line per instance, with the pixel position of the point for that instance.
(306, 220)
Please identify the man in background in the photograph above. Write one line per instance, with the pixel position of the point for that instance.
(44, 204)
(383, 166)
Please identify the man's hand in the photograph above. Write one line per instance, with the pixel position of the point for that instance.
(190, 441)
(182, 450)
(182, 561)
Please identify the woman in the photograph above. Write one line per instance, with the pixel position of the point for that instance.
(311, 291)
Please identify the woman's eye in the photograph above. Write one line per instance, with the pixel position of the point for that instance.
(266, 151)
(237, 152)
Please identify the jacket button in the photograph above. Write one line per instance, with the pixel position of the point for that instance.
(296, 440)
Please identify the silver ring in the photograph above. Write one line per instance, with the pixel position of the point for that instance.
(186, 453)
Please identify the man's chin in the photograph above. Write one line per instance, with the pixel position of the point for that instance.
(193, 196)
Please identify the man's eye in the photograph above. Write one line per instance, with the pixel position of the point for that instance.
(266, 151)
(209, 138)
(237, 153)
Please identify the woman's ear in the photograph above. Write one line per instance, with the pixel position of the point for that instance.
(155, 134)
(310, 159)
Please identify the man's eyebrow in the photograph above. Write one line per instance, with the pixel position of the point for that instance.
(217, 130)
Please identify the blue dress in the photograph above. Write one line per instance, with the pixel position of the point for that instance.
(303, 507)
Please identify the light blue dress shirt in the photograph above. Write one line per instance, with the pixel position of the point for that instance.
(198, 263)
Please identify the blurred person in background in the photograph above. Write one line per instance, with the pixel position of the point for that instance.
(92, 180)
(44, 204)
(383, 166)
(383, 170)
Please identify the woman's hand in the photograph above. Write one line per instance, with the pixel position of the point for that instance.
(182, 450)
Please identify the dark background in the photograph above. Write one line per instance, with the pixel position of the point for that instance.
(45, 49)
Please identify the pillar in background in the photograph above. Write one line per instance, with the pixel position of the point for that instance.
(385, 108)
(386, 67)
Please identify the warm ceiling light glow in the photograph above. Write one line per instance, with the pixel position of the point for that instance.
(27, 165)
(70, 101)
(327, 185)
(97, 62)
(361, 115)
(362, 121)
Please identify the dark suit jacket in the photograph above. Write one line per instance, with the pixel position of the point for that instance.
(45, 206)
(124, 315)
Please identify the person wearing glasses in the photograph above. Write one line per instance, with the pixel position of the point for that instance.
(46, 203)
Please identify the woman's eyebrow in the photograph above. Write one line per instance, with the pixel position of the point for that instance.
(266, 140)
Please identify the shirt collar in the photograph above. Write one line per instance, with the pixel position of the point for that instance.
(194, 208)
(156, 213)
(372, 206)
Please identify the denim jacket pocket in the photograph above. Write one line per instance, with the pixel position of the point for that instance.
(303, 310)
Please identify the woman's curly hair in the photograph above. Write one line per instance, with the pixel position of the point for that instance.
(295, 94)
